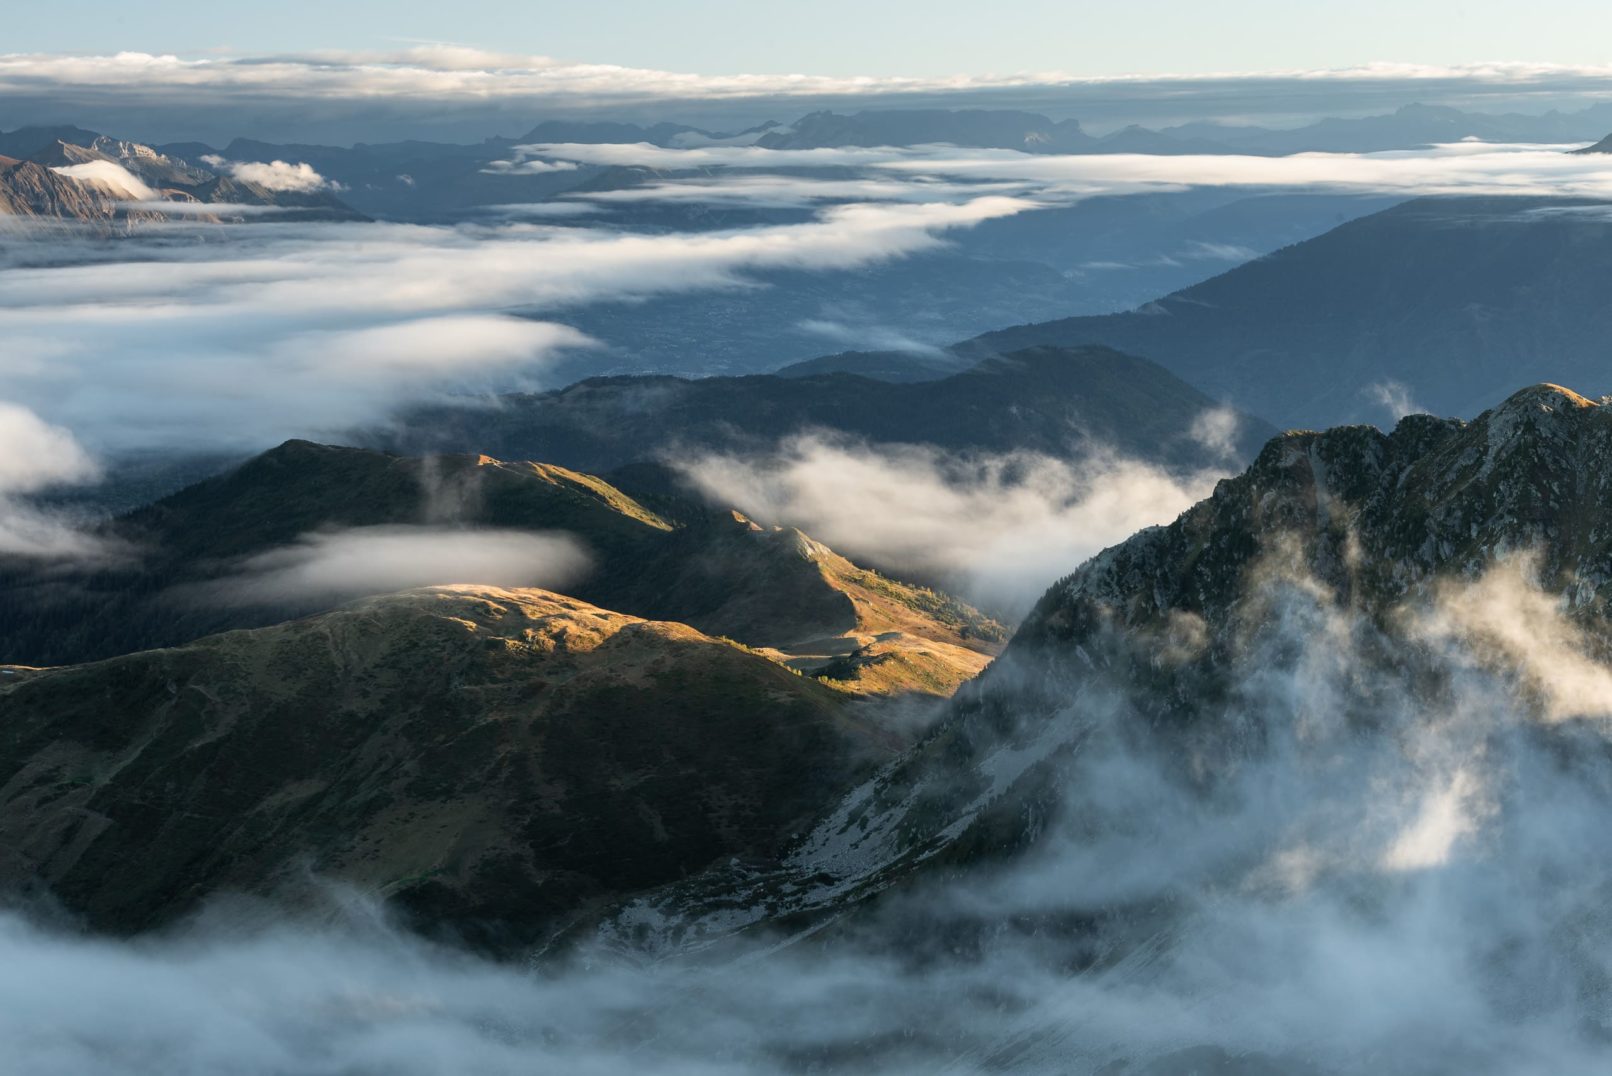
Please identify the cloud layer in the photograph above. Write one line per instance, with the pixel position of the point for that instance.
(37, 456)
(452, 72)
(273, 175)
(999, 529)
(1334, 873)
(334, 566)
(260, 332)
(1455, 168)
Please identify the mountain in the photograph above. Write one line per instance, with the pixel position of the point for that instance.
(1447, 301)
(414, 180)
(177, 569)
(27, 141)
(32, 192)
(1603, 146)
(1025, 131)
(146, 164)
(490, 761)
(1061, 402)
(1298, 662)
(1407, 127)
(97, 179)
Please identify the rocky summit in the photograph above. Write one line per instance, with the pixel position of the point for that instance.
(1352, 586)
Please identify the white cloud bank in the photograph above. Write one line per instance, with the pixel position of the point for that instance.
(447, 72)
(998, 528)
(109, 178)
(288, 330)
(332, 566)
(300, 177)
(36, 456)
(1454, 168)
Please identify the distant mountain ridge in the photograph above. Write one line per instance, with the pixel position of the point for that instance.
(1442, 301)
(94, 178)
(1060, 402)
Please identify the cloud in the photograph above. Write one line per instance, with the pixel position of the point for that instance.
(329, 566)
(36, 456)
(109, 178)
(528, 167)
(1456, 168)
(1216, 431)
(779, 191)
(1326, 867)
(273, 175)
(998, 528)
(1394, 397)
(428, 348)
(444, 72)
(272, 331)
(869, 337)
(1505, 618)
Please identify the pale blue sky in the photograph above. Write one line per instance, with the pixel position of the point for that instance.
(845, 37)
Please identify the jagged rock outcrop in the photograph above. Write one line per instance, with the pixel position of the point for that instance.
(1351, 576)
(74, 176)
(32, 192)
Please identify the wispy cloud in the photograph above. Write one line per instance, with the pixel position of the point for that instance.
(281, 330)
(452, 72)
(998, 528)
(273, 175)
(36, 456)
(1455, 168)
(327, 566)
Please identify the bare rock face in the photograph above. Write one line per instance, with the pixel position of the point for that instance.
(84, 178)
(1361, 588)
(491, 761)
(31, 191)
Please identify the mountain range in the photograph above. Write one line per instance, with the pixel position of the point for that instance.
(446, 746)
(1059, 402)
(1438, 304)
(174, 571)
(70, 174)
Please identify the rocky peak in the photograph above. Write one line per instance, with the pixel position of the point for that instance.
(1341, 538)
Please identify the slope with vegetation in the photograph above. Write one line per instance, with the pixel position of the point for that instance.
(173, 569)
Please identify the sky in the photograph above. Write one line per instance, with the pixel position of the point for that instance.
(852, 37)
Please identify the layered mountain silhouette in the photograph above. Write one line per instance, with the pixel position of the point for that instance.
(1060, 402)
(1438, 304)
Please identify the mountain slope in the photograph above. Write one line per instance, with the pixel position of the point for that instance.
(1059, 402)
(491, 761)
(30, 191)
(79, 176)
(178, 568)
(1332, 634)
(1452, 300)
